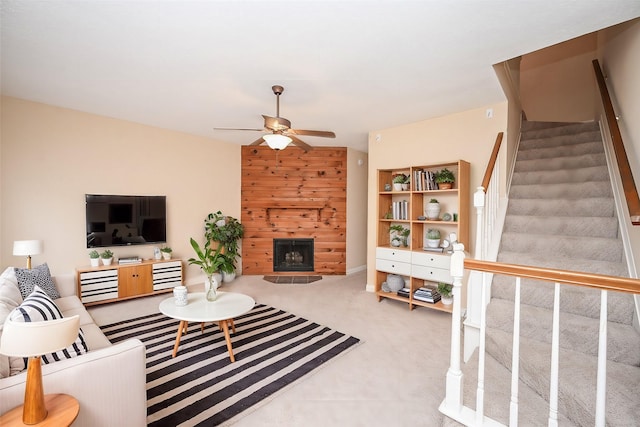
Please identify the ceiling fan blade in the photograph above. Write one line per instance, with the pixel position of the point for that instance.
(257, 141)
(276, 123)
(257, 130)
(300, 143)
(321, 133)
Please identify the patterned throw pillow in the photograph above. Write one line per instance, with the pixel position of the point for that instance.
(40, 275)
(38, 307)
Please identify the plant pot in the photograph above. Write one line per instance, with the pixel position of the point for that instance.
(405, 187)
(95, 262)
(397, 187)
(228, 277)
(445, 186)
(166, 255)
(433, 243)
(395, 242)
(107, 261)
(433, 211)
(446, 300)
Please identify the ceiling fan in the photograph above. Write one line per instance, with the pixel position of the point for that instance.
(281, 133)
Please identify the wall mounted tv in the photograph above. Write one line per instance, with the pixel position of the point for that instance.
(125, 220)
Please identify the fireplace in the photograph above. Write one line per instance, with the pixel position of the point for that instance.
(292, 254)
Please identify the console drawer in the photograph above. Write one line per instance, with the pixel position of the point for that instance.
(431, 260)
(393, 254)
(431, 274)
(401, 268)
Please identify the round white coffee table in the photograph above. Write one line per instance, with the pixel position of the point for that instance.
(227, 306)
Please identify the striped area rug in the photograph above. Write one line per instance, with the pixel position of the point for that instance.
(201, 386)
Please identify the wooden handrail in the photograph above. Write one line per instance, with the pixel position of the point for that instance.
(492, 161)
(628, 184)
(598, 281)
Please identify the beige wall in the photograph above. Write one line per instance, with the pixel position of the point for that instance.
(357, 166)
(553, 81)
(52, 156)
(468, 135)
(619, 57)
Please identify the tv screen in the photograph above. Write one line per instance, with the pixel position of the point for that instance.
(113, 220)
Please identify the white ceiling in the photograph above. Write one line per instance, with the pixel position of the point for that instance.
(347, 66)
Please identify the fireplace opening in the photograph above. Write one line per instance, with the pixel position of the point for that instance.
(292, 254)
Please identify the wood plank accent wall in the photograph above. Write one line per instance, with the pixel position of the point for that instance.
(292, 194)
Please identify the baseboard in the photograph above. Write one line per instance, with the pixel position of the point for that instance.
(356, 269)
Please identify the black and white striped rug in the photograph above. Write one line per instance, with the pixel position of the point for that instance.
(201, 386)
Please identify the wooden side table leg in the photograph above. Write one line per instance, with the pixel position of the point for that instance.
(233, 325)
(225, 328)
(182, 328)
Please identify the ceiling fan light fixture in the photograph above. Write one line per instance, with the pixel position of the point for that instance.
(276, 141)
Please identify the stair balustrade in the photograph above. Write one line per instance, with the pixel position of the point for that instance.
(453, 405)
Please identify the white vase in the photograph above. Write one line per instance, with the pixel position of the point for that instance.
(166, 255)
(180, 295)
(95, 262)
(228, 277)
(446, 300)
(397, 186)
(211, 288)
(433, 243)
(433, 211)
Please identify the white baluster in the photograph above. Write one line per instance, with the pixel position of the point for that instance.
(555, 352)
(515, 358)
(601, 388)
(481, 352)
(453, 398)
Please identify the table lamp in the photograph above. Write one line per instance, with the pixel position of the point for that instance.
(33, 339)
(28, 248)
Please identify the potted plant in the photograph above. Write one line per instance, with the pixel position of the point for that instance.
(166, 252)
(107, 257)
(433, 238)
(228, 268)
(433, 210)
(400, 182)
(399, 235)
(446, 293)
(94, 256)
(226, 231)
(445, 179)
(209, 261)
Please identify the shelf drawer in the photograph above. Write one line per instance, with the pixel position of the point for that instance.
(401, 268)
(98, 285)
(167, 275)
(431, 260)
(393, 254)
(432, 274)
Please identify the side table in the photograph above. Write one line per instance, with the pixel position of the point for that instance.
(62, 411)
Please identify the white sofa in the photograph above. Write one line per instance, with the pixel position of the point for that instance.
(109, 381)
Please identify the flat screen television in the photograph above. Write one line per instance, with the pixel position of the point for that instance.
(114, 220)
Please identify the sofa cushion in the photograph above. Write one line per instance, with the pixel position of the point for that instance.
(37, 307)
(70, 306)
(40, 275)
(10, 298)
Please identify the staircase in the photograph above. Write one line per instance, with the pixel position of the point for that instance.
(561, 214)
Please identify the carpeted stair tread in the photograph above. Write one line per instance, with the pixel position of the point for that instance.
(562, 226)
(567, 190)
(578, 333)
(577, 379)
(592, 173)
(594, 248)
(560, 163)
(591, 207)
(549, 151)
(570, 145)
(567, 129)
(529, 125)
(577, 300)
(588, 266)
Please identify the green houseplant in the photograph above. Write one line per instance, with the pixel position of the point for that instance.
(445, 179)
(446, 293)
(399, 235)
(94, 256)
(107, 257)
(400, 182)
(226, 231)
(433, 238)
(210, 261)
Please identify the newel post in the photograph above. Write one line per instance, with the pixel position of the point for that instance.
(453, 399)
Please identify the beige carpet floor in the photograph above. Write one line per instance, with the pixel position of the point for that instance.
(395, 377)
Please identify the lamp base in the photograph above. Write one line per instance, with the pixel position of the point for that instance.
(63, 411)
(34, 409)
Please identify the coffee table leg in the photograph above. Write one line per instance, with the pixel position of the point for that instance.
(225, 328)
(182, 328)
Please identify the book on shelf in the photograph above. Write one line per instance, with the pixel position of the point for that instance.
(439, 249)
(432, 299)
(130, 260)
(404, 292)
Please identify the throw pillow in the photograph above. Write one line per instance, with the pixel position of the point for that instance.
(40, 275)
(10, 298)
(38, 307)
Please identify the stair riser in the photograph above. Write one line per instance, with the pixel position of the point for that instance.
(562, 143)
(568, 129)
(596, 207)
(568, 247)
(564, 190)
(587, 266)
(594, 173)
(561, 163)
(550, 152)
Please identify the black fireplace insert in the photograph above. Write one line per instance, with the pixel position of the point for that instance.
(292, 254)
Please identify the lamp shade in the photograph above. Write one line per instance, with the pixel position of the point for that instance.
(27, 247)
(27, 339)
(276, 141)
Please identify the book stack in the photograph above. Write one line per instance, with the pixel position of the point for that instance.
(130, 260)
(426, 294)
(400, 210)
(404, 292)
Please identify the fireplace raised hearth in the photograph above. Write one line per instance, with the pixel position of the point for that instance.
(292, 254)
